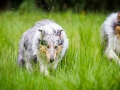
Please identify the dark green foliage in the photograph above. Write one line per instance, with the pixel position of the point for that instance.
(61, 5)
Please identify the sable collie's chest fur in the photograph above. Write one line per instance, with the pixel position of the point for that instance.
(116, 44)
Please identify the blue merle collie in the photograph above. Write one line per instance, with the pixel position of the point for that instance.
(46, 42)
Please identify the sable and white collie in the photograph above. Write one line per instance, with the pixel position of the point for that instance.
(111, 36)
(46, 42)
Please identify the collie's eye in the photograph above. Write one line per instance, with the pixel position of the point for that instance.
(48, 46)
(56, 47)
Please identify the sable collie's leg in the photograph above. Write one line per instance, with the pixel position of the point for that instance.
(111, 54)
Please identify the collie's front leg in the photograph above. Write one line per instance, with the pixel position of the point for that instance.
(44, 69)
(54, 65)
(112, 55)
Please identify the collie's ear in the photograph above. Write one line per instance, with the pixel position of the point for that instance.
(42, 32)
(59, 33)
(118, 17)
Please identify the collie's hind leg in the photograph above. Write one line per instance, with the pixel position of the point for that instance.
(28, 61)
(21, 52)
(21, 60)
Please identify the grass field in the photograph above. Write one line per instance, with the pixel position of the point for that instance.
(83, 68)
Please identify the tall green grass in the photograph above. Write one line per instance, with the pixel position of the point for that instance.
(83, 68)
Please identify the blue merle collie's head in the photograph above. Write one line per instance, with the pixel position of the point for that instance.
(51, 44)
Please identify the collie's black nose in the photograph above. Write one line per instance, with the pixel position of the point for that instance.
(51, 60)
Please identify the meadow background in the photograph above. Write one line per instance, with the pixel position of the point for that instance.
(84, 66)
